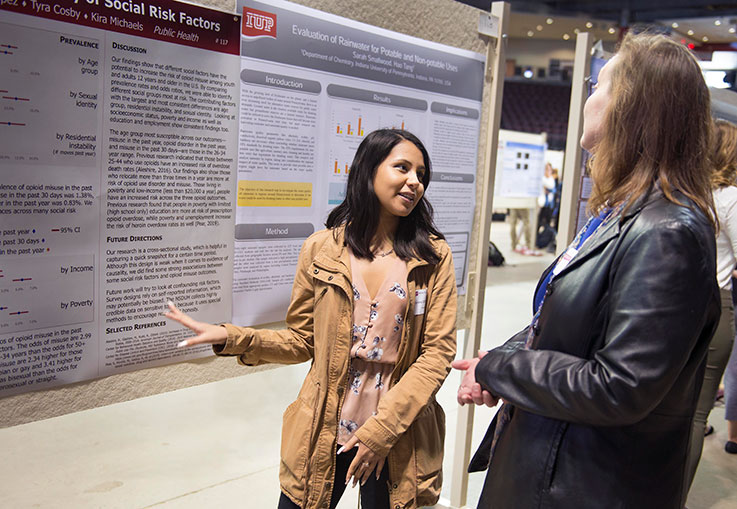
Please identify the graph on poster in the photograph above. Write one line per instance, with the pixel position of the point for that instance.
(357, 129)
(37, 294)
(350, 121)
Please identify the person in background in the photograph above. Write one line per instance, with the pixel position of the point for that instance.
(373, 308)
(730, 378)
(724, 183)
(547, 199)
(516, 216)
(600, 389)
(545, 234)
(556, 197)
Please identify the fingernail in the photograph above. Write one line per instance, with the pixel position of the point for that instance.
(169, 303)
(182, 343)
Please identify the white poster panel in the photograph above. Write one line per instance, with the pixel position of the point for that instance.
(118, 142)
(312, 86)
(520, 165)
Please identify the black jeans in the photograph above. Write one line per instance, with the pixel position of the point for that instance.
(374, 494)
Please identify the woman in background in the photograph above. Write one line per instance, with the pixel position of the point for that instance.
(728, 158)
(723, 181)
(373, 307)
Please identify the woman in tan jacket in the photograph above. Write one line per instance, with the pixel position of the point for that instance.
(373, 307)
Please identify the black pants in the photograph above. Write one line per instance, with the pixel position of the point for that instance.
(374, 494)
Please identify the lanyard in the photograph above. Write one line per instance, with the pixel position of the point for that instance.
(593, 225)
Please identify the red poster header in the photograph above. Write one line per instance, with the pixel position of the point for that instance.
(162, 20)
(258, 23)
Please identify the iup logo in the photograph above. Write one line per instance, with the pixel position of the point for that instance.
(258, 23)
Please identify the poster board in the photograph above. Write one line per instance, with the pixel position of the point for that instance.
(520, 165)
(347, 79)
(119, 179)
(571, 182)
(115, 169)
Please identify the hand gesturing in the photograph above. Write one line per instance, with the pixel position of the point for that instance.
(207, 333)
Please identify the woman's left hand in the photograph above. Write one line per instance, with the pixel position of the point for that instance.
(363, 464)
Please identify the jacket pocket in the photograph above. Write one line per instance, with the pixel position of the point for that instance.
(320, 290)
(552, 461)
(295, 441)
(428, 432)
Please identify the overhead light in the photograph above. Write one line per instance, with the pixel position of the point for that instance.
(690, 32)
(539, 27)
(576, 30)
(528, 73)
(732, 30)
(612, 30)
(717, 22)
(705, 39)
(530, 33)
(674, 24)
(549, 21)
(589, 24)
(566, 37)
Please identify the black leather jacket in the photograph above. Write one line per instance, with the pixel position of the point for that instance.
(602, 408)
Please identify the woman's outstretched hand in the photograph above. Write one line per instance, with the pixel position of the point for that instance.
(207, 333)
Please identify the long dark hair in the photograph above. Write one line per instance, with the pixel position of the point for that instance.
(360, 210)
(657, 127)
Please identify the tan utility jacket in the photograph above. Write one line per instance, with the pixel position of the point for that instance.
(409, 425)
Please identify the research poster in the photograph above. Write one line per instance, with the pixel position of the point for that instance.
(312, 86)
(118, 149)
(155, 150)
(520, 166)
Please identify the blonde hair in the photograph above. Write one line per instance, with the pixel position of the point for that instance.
(724, 154)
(657, 127)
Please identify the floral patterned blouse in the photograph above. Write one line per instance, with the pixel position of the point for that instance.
(377, 330)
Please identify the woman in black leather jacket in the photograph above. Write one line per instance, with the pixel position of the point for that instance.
(600, 389)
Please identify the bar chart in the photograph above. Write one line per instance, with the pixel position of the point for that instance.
(351, 129)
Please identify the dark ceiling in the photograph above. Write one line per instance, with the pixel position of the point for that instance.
(623, 12)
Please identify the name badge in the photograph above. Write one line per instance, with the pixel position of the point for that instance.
(420, 299)
(565, 260)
